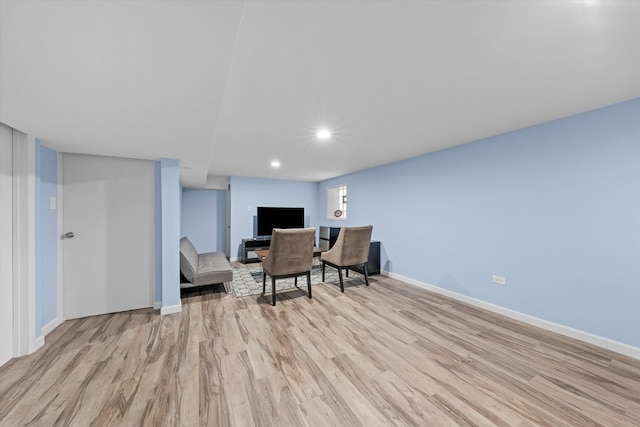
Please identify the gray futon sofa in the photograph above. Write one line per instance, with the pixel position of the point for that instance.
(203, 269)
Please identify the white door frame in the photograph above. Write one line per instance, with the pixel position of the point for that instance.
(228, 221)
(7, 328)
(24, 245)
(60, 287)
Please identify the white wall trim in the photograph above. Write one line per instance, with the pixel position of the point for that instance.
(38, 342)
(49, 327)
(7, 302)
(24, 243)
(157, 305)
(170, 309)
(589, 338)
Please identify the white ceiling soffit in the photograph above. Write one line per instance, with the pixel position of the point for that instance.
(227, 86)
(140, 79)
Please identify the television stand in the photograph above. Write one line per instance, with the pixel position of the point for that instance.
(250, 246)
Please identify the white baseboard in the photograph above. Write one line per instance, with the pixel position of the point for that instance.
(599, 341)
(39, 342)
(170, 309)
(235, 259)
(46, 329)
(157, 305)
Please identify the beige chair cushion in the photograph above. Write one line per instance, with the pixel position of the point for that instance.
(351, 247)
(290, 251)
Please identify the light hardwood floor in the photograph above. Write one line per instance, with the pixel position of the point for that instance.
(388, 354)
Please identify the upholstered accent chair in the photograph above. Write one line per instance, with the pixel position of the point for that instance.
(290, 255)
(350, 250)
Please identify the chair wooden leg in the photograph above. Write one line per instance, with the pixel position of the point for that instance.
(309, 282)
(323, 265)
(366, 274)
(347, 272)
(341, 281)
(273, 291)
(264, 282)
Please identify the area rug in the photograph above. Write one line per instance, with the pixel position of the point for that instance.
(248, 281)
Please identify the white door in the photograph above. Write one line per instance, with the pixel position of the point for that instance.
(6, 244)
(108, 208)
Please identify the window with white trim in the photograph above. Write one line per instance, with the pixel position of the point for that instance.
(337, 202)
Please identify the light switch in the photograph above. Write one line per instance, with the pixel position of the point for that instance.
(499, 280)
(52, 203)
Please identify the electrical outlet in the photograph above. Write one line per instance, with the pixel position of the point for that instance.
(499, 280)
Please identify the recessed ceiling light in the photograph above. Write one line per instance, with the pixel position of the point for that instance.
(323, 134)
(275, 164)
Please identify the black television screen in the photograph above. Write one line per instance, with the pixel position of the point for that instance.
(270, 218)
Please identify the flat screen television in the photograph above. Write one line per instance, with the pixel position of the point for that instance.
(271, 217)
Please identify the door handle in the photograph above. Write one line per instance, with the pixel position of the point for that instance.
(69, 235)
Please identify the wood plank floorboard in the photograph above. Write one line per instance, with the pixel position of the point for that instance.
(385, 355)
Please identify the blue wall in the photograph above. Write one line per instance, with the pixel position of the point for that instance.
(554, 208)
(204, 219)
(46, 235)
(249, 193)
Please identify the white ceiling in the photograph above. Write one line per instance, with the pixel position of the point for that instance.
(227, 86)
